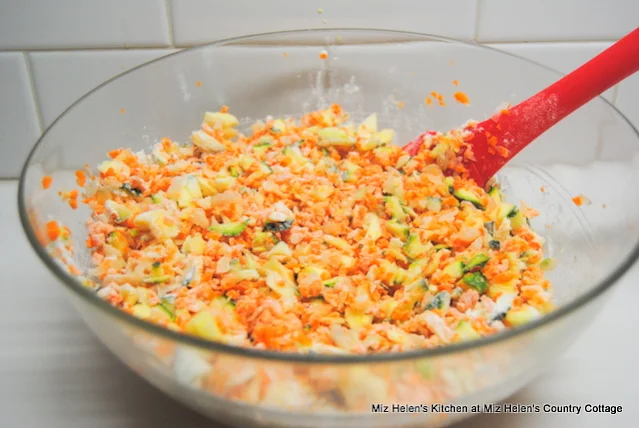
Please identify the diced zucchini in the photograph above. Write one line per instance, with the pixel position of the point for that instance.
(382, 138)
(157, 275)
(494, 244)
(245, 275)
(398, 230)
(414, 247)
(120, 212)
(455, 270)
(477, 261)
(477, 281)
(548, 264)
(506, 210)
(349, 174)
(393, 186)
(517, 220)
(439, 150)
(133, 191)
(372, 226)
(194, 244)
(434, 204)
(465, 195)
(449, 181)
(260, 149)
(117, 240)
(184, 189)
(159, 223)
(337, 242)
(224, 183)
(496, 290)
(369, 124)
(157, 198)
(278, 226)
(330, 283)
(206, 143)
(357, 319)
(142, 311)
(278, 126)
(230, 229)
(221, 120)
(167, 304)
(279, 278)
(295, 155)
(394, 207)
(313, 271)
(334, 137)
(402, 161)
(522, 315)
(119, 168)
(440, 301)
(465, 331)
(439, 247)
(263, 241)
(265, 168)
(235, 171)
(281, 249)
(203, 324)
(495, 193)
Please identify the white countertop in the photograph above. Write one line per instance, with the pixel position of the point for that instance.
(55, 374)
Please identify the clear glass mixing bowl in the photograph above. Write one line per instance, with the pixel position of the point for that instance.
(594, 152)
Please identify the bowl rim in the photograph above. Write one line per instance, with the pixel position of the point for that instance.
(309, 358)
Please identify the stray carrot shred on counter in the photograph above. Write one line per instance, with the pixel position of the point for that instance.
(323, 55)
(456, 82)
(428, 101)
(46, 181)
(198, 83)
(314, 234)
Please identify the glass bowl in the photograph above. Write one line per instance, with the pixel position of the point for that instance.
(594, 152)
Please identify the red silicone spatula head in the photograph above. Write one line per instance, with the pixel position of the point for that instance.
(495, 141)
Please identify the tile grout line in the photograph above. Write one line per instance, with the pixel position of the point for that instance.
(476, 29)
(83, 49)
(34, 93)
(169, 19)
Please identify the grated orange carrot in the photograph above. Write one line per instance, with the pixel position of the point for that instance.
(46, 181)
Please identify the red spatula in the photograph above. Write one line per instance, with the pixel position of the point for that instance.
(520, 125)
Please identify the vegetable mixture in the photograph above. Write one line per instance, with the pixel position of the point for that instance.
(312, 235)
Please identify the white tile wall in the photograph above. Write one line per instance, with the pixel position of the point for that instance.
(18, 124)
(553, 20)
(51, 71)
(72, 46)
(44, 24)
(200, 21)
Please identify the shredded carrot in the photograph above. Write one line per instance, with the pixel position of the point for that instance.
(123, 111)
(309, 234)
(80, 178)
(461, 98)
(323, 55)
(578, 200)
(428, 101)
(456, 82)
(46, 181)
(198, 83)
(53, 230)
